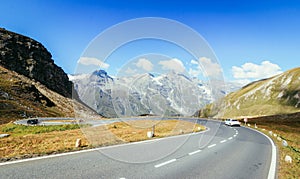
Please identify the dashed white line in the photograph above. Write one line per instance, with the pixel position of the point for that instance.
(211, 145)
(165, 163)
(192, 153)
(229, 138)
(223, 141)
(234, 135)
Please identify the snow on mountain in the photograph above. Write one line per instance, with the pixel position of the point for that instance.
(165, 94)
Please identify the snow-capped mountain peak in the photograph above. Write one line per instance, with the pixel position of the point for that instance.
(163, 94)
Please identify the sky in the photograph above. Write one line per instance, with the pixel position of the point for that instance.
(250, 39)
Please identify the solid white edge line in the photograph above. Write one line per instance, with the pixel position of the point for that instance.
(272, 170)
(165, 163)
(223, 141)
(47, 156)
(97, 149)
(229, 138)
(211, 145)
(192, 153)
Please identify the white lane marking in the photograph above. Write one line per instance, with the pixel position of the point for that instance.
(48, 156)
(211, 145)
(234, 135)
(165, 163)
(122, 178)
(229, 138)
(99, 148)
(223, 141)
(192, 153)
(272, 170)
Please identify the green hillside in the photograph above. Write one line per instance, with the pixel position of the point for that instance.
(276, 95)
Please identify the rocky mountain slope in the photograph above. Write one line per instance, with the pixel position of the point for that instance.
(31, 59)
(22, 97)
(277, 95)
(166, 94)
(31, 85)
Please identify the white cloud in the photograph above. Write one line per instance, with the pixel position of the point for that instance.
(205, 66)
(130, 71)
(92, 61)
(253, 71)
(173, 64)
(194, 62)
(144, 64)
(211, 68)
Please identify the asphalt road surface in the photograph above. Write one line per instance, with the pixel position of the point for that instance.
(220, 152)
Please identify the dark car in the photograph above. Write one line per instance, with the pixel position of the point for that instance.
(32, 121)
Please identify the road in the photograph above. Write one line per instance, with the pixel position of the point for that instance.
(220, 152)
(49, 121)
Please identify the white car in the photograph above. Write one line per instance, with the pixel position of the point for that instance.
(232, 122)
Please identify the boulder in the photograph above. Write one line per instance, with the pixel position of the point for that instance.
(288, 159)
(4, 135)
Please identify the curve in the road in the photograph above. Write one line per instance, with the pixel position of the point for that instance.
(232, 153)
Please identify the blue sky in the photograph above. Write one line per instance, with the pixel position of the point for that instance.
(252, 39)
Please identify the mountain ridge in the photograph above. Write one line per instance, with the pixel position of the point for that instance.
(140, 94)
(279, 94)
(31, 84)
(30, 58)
(22, 97)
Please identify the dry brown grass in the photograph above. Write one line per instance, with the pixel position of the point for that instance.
(131, 131)
(18, 99)
(24, 143)
(287, 128)
(46, 143)
(137, 130)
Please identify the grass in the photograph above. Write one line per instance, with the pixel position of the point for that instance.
(19, 130)
(276, 95)
(30, 141)
(18, 98)
(287, 127)
(132, 131)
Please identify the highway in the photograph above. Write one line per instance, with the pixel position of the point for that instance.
(220, 152)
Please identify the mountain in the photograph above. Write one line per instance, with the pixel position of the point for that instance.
(31, 84)
(166, 94)
(31, 59)
(22, 97)
(276, 95)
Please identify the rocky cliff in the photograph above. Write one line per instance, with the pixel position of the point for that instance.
(31, 59)
(22, 97)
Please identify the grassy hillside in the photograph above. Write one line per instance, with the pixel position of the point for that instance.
(277, 95)
(21, 97)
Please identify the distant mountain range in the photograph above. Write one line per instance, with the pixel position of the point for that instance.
(169, 94)
(31, 84)
(276, 95)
